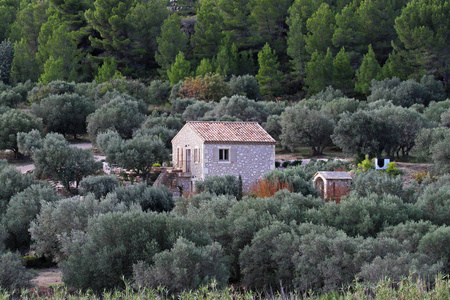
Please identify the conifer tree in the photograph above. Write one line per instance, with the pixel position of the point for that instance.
(296, 43)
(236, 22)
(171, 41)
(6, 58)
(268, 76)
(179, 70)
(320, 27)
(343, 72)
(108, 71)
(370, 69)
(63, 61)
(24, 65)
(205, 67)
(396, 66)
(227, 57)
(208, 30)
(319, 72)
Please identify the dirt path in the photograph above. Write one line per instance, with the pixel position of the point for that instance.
(409, 169)
(47, 278)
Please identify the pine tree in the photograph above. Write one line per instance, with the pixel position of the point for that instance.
(343, 72)
(171, 41)
(319, 72)
(320, 27)
(227, 57)
(208, 30)
(63, 61)
(6, 59)
(236, 22)
(370, 69)
(108, 71)
(179, 70)
(205, 67)
(269, 23)
(396, 66)
(268, 76)
(296, 43)
(24, 64)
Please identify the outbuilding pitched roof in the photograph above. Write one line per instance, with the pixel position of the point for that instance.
(236, 132)
(333, 175)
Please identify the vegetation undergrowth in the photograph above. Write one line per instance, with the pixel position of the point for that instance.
(407, 288)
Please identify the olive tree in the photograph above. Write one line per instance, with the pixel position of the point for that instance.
(65, 114)
(11, 123)
(119, 114)
(301, 126)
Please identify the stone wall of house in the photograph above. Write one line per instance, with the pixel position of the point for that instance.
(251, 161)
(188, 139)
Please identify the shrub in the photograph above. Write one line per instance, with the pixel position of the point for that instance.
(392, 169)
(13, 274)
(178, 105)
(364, 215)
(267, 261)
(366, 165)
(120, 114)
(434, 201)
(197, 110)
(149, 198)
(219, 185)
(22, 210)
(102, 256)
(395, 267)
(420, 176)
(408, 234)
(210, 87)
(435, 245)
(325, 259)
(295, 178)
(134, 88)
(245, 85)
(185, 266)
(58, 218)
(378, 183)
(57, 87)
(170, 121)
(11, 183)
(239, 107)
(98, 185)
(159, 92)
(409, 92)
(10, 98)
(264, 188)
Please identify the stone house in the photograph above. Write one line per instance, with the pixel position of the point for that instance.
(201, 149)
(332, 185)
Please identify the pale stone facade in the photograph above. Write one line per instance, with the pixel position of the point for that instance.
(202, 157)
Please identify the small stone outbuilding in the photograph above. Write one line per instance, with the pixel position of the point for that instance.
(205, 148)
(332, 185)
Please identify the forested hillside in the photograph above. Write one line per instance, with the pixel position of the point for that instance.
(291, 46)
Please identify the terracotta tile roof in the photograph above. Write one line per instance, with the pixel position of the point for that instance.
(241, 132)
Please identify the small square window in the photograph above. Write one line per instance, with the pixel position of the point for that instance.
(224, 154)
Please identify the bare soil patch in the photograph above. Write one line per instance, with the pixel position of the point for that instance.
(409, 169)
(47, 278)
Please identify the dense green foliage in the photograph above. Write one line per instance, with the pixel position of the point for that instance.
(281, 42)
